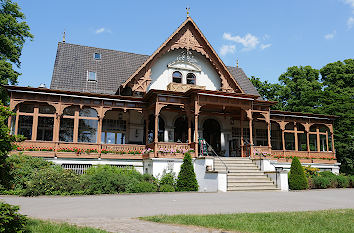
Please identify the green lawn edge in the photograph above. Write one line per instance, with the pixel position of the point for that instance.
(45, 226)
(338, 220)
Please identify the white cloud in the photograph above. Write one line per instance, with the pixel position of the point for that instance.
(102, 30)
(350, 22)
(249, 41)
(350, 3)
(330, 36)
(225, 49)
(264, 46)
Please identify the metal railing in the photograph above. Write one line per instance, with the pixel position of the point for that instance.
(210, 149)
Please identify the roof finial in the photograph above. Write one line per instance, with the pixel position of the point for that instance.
(64, 36)
(188, 9)
(237, 63)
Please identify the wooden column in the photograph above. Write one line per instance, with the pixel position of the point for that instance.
(250, 120)
(269, 142)
(327, 141)
(35, 124)
(189, 129)
(241, 132)
(196, 134)
(332, 134)
(282, 128)
(99, 129)
(318, 139)
(76, 126)
(296, 138)
(56, 127)
(16, 121)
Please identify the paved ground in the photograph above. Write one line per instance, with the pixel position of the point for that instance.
(116, 213)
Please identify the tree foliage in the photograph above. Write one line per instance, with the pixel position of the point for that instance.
(187, 180)
(13, 33)
(297, 177)
(329, 90)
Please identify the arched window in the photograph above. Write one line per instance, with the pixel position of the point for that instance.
(114, 128)
(177, 77)
(289, 136)
(301, 137)
(276, 137)
(191, 78)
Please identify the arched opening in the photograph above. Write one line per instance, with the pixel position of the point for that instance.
(301, 137)
(289, 136)
(212, 134)
(191, 78)
(320, 138)
(114, 128)
(276, 137)
(181, 130)
(66, 132)
(151, 129)
(177, 77)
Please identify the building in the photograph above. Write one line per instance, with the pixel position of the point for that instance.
(126, 109)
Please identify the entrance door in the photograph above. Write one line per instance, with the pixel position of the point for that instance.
(212, 134)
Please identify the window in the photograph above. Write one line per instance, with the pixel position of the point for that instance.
(191, 78)
(97, 56)
(177, 77)
(91, 76)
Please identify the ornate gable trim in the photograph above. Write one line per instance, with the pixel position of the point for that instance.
(187, 36)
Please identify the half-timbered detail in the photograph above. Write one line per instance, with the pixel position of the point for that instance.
(140, 108)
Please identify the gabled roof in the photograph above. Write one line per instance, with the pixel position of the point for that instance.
(73, 61)
(187, 36)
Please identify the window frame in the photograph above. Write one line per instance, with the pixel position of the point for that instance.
(94, 56)
(88, 76)
(173, 77)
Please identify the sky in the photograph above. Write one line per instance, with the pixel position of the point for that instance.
(266, 37)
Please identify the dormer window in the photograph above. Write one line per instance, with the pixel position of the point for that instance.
(97, 56)
(177, 77)
(191, 78)
(91, 76)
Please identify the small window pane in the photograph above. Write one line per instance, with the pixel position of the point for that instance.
(177, 77)
(323, 143)
(302, 141)
(45, 128)
(25, 126)
(87, 130)
(92, 76)
(66, 132)
(191, 79)
(313, 142)
(97, 56)
(289, 141)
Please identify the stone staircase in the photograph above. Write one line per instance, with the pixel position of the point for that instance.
(243, 175)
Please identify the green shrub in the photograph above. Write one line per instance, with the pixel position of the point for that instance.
(10, 220)
(342, 181)
(168, 178)
(331, 177)
(109, 179)
(321, 182)
(22, 169)
(150, 178)
(167, 188)
(142, 187)
(186, 180)
(297, 178)
(53, 180)
(351, 181)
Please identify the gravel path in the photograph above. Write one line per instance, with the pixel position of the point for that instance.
(116, 213)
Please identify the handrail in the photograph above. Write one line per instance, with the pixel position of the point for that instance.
(217, 155)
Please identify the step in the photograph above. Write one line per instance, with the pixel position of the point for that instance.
(242, 184)
(249, 180)
(233, 161)
(241, 176)
(236, 166)
(260, 188)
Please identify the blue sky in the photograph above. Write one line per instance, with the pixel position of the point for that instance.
(266, 36)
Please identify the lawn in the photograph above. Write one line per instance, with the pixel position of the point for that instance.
(309, 221)
(35, 226)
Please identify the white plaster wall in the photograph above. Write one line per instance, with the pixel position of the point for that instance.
(161, 75)
(159, 165)
(208, 182)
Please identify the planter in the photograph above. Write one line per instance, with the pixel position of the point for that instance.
(75, 155)
(121, 156)
(48, 154)
(305, 160)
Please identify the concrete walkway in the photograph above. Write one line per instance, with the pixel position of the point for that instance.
(116, 212)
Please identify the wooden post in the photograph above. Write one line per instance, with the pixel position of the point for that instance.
(99, 129)
(282, 128)
(318, 139)
(196, 134)
(189, 129)
(332, 134)
(16, 120)
(241, 136)
(296, 138)
(327, 141)
(56, 128)
(269, 142)
(76, 126)
(35, 124)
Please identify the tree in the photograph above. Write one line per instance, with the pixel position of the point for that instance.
(5, 147)
(13, 34)
(297, 177)
(186, 180)
(337, 99)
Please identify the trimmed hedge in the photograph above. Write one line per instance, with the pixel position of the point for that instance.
(10, 220)
(297, 178)
(187, 180)
(167, 188)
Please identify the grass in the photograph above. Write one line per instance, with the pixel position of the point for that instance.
(36, 226)
(308, 221)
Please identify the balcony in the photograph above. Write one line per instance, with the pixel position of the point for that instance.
(180, 87)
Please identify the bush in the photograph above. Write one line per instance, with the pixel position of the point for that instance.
(167, 188)
(311, 171)
(142, 187)
(52, 181)
(186, 180)
(109, 179)
(10, 220)
(331, 177)
(342, 181)
(321, 182)
(168, 178)
(22, 169)
(351, 181)
(297, 178)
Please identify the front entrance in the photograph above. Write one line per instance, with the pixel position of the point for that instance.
(212, 134)
(181, 130)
